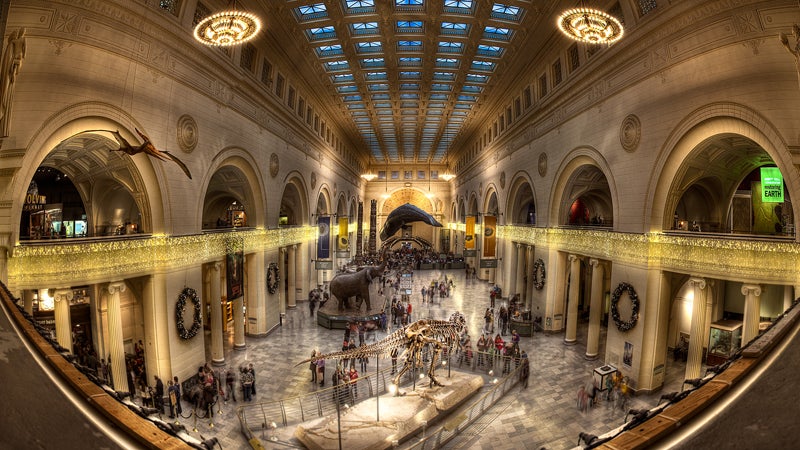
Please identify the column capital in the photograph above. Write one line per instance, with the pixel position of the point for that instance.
(63, 294)
(530, 247)
(573, 258)
(518, 245)
(594, 262)
(751, 288)
(698, 282)
(116, 287)
(216, 265)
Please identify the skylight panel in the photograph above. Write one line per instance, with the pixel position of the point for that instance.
(409, 46)
(467, 98)
(343, 78)
(483, 65)
(410, 75)
(409, 61)
(454, 26)
(477, 78)
(407, 96)
(380, 97)
(311, 10)
(347, 89)
(497, 33)
(337, 65)
(466, 4)
(371, 46)
(490, 50)
(372, 62)
(378, 87)
(447, 62)
(351, 98)
(360, 3)
(408, 2)
(362, 28)
(439, 96)
(468, 88)
(505, 9)
(329, 50)
(374, 76)
(317, 33)
(444, 76)
(440, 87)
(409, 25)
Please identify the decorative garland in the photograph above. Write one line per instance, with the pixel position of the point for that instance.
(272, 278)
(180, 307)
(538, 266)
(623, 325)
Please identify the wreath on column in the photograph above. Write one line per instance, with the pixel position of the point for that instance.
(538, 282)
(630, 323)
(180, 307)
(272, 278)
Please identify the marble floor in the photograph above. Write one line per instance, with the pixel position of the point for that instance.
(544, 416)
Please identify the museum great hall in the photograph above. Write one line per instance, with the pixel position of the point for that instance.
(636, 178)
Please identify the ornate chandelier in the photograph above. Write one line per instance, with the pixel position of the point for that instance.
(590, 25)
(227, 28)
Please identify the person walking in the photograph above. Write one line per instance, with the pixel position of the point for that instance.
(230, 382)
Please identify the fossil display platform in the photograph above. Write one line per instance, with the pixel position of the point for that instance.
(400, 416)
(332, 318)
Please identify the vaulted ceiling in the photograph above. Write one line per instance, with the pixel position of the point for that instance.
(411, 77)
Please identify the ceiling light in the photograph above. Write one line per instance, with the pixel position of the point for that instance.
(369, 176)
(227, 28)
(447, 176)
(590, 25)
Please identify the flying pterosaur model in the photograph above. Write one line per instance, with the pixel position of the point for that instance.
(148, 148)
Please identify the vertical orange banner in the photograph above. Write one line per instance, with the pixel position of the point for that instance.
(343, 242)
(469, 234)
(489, 236)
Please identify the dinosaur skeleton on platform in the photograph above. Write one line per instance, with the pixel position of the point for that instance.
(412, 338)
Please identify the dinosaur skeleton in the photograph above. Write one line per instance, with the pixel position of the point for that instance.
(412, 338)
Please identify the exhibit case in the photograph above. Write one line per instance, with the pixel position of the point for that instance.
(725, 338)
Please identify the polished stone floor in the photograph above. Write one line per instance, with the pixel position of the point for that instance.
(543, 416)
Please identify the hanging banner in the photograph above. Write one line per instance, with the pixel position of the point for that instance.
(343, 242)
(469, 233)
(324, 238)
(234, 274)
(489, 236)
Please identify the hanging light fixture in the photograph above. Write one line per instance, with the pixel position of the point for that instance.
(589, 25)
(370, 175)
(227, 28)
(447, 176)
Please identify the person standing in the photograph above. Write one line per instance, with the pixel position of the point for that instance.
(321, 371)
(177, 385)
(158, 401)
(313, 366)
(230, 381)
(525, 371)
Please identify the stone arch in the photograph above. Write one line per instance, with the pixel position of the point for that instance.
(232, 177)
(324, 203)
(294, 201)
(77, 124)
(521, 205)
(584, 178)
(710, 121)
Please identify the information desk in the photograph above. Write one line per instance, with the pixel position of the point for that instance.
(523, 327)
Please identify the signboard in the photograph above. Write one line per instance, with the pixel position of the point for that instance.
(469, 233)
(771, 185)
(324, 237)
(488, 263)
(406, 283)
(323, 265)
(470, 253)
(489, 236)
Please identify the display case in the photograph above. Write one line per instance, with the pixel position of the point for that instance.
(724, 340)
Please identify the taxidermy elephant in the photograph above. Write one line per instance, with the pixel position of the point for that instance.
(355, 284)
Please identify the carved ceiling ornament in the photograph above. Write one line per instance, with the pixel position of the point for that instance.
(502, 180)
(274, 165)
(542, 164)
(313, 180)
(630, 133)
(187, 133)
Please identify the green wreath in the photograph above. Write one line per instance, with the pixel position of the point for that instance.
(538, 266)
(621, 324)
(272, 278)
(180, 307)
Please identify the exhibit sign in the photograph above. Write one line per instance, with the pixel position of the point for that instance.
(489, 236)
(771, 185)
(324, 237)
(343, 242)
(469, 233)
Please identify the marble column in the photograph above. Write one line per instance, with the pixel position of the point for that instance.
(595, 309)
(115, 338)
(217, 338)
(238, 324)
(694, 360)
(303, 266)
(571, 334)
(752, 312)
(529, 251)
(519, 277)
(27, 300)
(63, 320)
(156, 326)
(283, 278)
(291, 277)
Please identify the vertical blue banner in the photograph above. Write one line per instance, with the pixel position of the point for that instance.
(324, 237)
